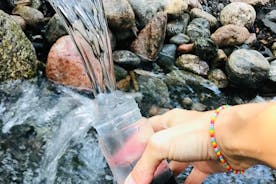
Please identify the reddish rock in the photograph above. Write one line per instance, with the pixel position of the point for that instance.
(185, 48)
(64, 65)
(151, 39)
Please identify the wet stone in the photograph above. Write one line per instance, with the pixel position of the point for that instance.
(198, 28)
(180, 39)
(166, 58)
(126, 58)
(205, 48)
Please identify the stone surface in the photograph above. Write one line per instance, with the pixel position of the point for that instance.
(120, 73)
(198, 107)
(112, 38)
(180, 39)
(166, 58)
(31, 15)
(198, 28)
(150, 40)
(17, 55)
(247, 68)
(19, 20)
(205, 48)
(270, 20)
(230, 35)
(176, 8)
(54, 29)
(36, 4)
(119, 14)
(219, 60)
(124, 84)
(126, 58)
(64, 65)
(178, 25)
(199, 13)
(252, 2)
(193, 64)
(185, 48)
(272, 71)
(218, 77)
(273, 48)
(238, 13)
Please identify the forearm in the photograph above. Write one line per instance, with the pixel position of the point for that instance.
(247, 133)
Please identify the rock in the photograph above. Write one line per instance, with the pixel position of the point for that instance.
(230, 35)
(251, 39)
(186, 102)
(120, 73)
(19, 20)
(192, 63)
(270, 20)
(150, 40)
(198, 28)
(219, 60)
(178, 25)
(252, 2)
(167, 57)
(32, 16)
(238, 13)
(144, 10)
(119, 14)
(64, 65)
(218, 77)
(36, 4)
(185, 48)
(199, 13)
(124, 84)
(126, 58)
(272, 71)
(180, 39)
(17, 55)
(247, 68)
(32, 3)
(176, 8)
(55, 29)
(199, 107)
(205, 48)
(273, 48)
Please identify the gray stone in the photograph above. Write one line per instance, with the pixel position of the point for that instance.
(218, 77)
(199, 13)
(270, 20)
(247, 68)
(178, 25)
(180, 39)
(126, 58)
(272, 71)
(112, 38)
(192, 63)
(119, 14)
(120, 73)
(205, 48)
(273, 48)
(55, 29)
(238, 13)
(31, 15)
(198, 28)
(166, 58)
(17, 55)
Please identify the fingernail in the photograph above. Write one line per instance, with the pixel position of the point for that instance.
(129, 180)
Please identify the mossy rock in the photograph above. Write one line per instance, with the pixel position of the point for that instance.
(17, 55)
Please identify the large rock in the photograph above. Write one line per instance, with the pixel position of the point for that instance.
(151, 39)
(64, 65)
(270, 20)
(247, 68)
(238, 13)
(17, 55)
(252, 2)
(119, 14)
(32, 16)
(55, 29)
(198, 28)
(230, 35)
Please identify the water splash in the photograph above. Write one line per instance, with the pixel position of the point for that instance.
(86, 23)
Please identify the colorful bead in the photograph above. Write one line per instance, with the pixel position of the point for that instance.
(214, 142)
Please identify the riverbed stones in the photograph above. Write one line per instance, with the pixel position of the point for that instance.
(180, 39)
(273, 48)
(193, 64)
(150, 40)
(272, 71)
(252, 2)
(230, 35)
(199, 13)
(119, 14)
(120, 73)
(166, 58)
(198, 28)
(19, 21)
(238, 13)
(31, 15)
(17, 55)
(247, 68)
(55, 29)
(126, 58)
(64, 65)
(205, 48)
(176, 8)
(270, 20)
(218, 77)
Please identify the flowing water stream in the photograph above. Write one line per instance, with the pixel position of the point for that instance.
(47, 130)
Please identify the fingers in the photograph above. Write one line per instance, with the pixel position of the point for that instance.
(196, 177)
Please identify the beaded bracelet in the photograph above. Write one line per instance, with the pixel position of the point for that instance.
(214, 142)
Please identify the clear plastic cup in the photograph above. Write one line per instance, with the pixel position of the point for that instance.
(123, 137)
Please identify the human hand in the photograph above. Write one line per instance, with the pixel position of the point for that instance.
(183, 137)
